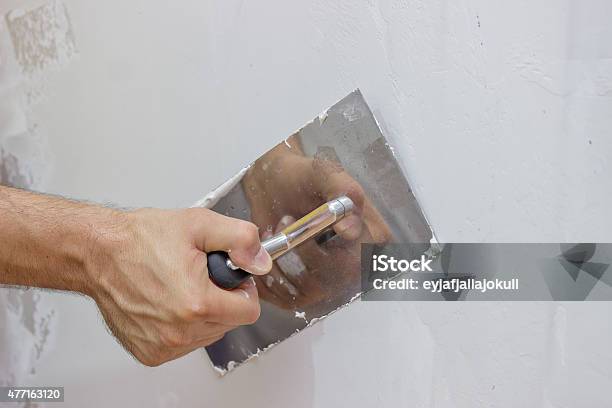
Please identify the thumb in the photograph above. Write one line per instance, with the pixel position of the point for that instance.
(240, 239)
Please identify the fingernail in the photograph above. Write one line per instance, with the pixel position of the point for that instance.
(244, 293)
(262, 262)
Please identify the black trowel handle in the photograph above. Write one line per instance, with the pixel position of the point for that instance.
(221, 273)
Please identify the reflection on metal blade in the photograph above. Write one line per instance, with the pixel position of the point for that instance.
(342, 152)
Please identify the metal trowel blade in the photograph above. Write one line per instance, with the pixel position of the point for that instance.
(340, 152)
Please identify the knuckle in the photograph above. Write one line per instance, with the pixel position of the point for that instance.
(247, 234)
(191, 218)
(196, 212)
(195, 306)
(199, 308)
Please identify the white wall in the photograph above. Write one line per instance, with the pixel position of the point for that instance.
(501, 111)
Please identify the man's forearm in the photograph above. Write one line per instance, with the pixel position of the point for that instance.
(145, 269)
(51, 242)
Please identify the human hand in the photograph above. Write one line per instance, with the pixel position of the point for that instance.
(152, 285)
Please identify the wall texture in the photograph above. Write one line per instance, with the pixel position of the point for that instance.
(501, 112)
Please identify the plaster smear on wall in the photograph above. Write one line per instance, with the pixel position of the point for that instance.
(41, 37)
(31, 41)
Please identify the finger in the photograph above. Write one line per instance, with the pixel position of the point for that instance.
(210, 340)
(339, 184)
(376, 225)
(349, 227)
(275, 279)
(240, 239)
(205, 330)
(364, 213)
(233, 307)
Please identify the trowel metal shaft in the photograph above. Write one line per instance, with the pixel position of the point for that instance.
(228, 276)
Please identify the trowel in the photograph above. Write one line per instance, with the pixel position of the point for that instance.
(316, 197)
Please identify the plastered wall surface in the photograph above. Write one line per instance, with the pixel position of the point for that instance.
(501, 112)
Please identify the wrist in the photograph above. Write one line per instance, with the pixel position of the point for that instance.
(105, 236)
